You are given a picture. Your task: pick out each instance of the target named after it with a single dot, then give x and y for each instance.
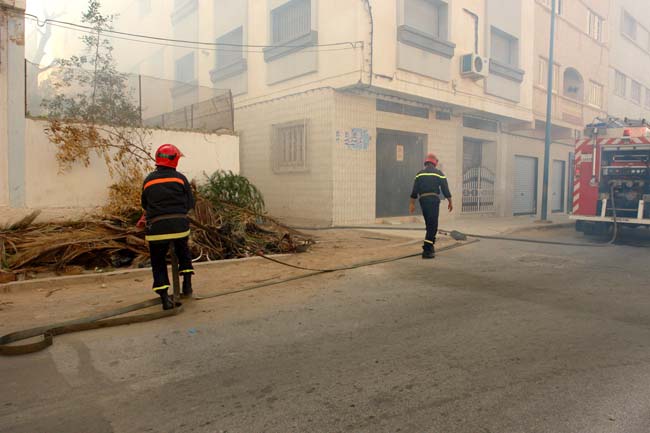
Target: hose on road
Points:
(110, 319)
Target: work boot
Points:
(187, 286)
(165, 300)
(429, 253)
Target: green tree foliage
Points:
(89, 86)
(226, 187)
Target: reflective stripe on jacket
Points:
(430, 180)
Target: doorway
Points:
(400, 156)
(524, 201)
(478, 176)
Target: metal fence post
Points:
(192, 116)
(232, 111)
(140, 96)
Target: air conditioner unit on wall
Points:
(473, 66)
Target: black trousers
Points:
(158, 251)
(431, 212)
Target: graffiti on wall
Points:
(355, 139)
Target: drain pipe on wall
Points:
(372, 41)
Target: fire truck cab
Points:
(612, 176)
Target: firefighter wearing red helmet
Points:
(429, 186)
(166, 199)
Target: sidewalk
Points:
(478, 225)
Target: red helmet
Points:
(168, 155)
(431, 159)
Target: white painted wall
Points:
(12, 101)
(4, 147)
(87, 187)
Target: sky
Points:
(62, 42)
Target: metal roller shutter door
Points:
(525, 188)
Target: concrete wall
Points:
(298, 197)
(629, 57)
(12, 101)
(4, 145)
(355, 170)
(87, 187)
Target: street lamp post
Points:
(549, 113)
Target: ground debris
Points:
(113, 242)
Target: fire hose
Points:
(109, 318)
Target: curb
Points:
(540, 227)
(100, 277)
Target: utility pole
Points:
(549, 115)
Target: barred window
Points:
(290, 21)
(595, 26)
(290, 147)
(636, 92)
(542, 74)
(595, 96)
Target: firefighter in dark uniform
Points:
(430, 186)
(166, 199)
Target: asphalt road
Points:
(493, 337)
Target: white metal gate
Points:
(524, 201)
(478, 190)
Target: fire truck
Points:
(612, 176)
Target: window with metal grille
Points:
(427, 16)
(482, 124)
(229, 48)
(185, 70)
(595, 25)
(290, 21)
(407, 110)
(542, 74)
(290, 147)
(635, 93)
(620, 84)
(595, 96)
(504, 48)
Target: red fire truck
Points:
(612, 176)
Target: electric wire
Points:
(163, 41)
